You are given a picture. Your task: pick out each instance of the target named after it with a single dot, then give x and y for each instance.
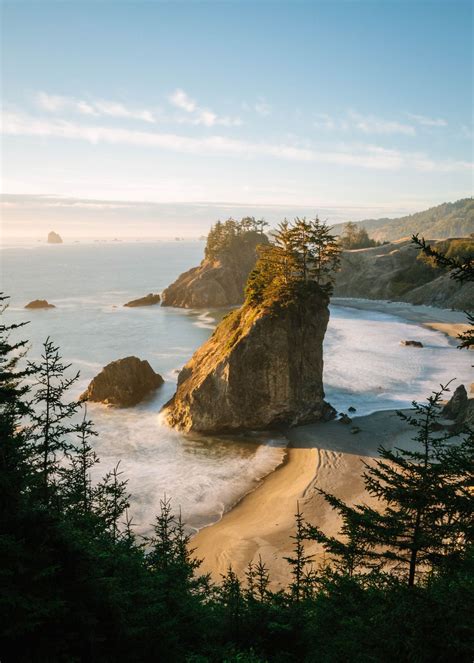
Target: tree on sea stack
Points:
(262, 368)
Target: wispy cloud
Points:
(370, 124)
(196, 114)
(55, 103)
(262, 107)
(428, 121)
(365, 156)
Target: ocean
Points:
(365, 365)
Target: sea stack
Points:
(230, 256)
(123, 383)
(54, 238)
(262, 368)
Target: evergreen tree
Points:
(52, 415)
(424, 523)
(301, 585)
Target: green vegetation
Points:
(355, 237)
(440, 222)
(77, 584)
(302, 256)
(230, 235)
(456, 256)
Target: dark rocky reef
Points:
(123, 383)
(39, 303)
(220, 278)
(262, 368)
(54, 238)
(395, 272)
(149, 300)
(413, 344)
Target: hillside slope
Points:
(446, 220)
(395, 272)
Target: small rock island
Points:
(149, 300)
(263, 366)
(54, 238)
(230, 256)
(123, 383)
(39, 303)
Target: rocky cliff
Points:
(262, 368)
(395, 272)
(220, 279)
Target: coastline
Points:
(447, 321)
(322, 455)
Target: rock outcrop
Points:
(262, 368)
(413, 344)
(39, 303)
(460, 409)
(395, 272)
(149, 300)
(54, 238)
(218, 281)
(123, 383)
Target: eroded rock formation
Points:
(262, 368)
(123, 383)
(149, 300)
(219, 280)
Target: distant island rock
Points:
(413, 344)
(39, 303)
(149, 300)
(263, 366)
(54, 238)
(219, 280)
(123, 383)
(398, 272)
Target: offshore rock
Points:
(39, 303)
(123, 383)
(149, 300)
(262, 368)
(216, 282)
(54, 238)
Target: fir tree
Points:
(52, 415)
(425, 497)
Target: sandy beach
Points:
(322, 455)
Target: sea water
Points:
(365, 365)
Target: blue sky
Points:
(356, 109)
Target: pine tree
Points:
(52, 415)
(424, 523)
(112, 500)
(302, 579)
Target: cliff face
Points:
(261, 368)
(394, 272)
(216, 282)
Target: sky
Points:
(157, 118)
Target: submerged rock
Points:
(123, 383)
(262, 368)
(54, 238)
(219, 280)
(413, 344)
(39, 303)
(149, 300)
